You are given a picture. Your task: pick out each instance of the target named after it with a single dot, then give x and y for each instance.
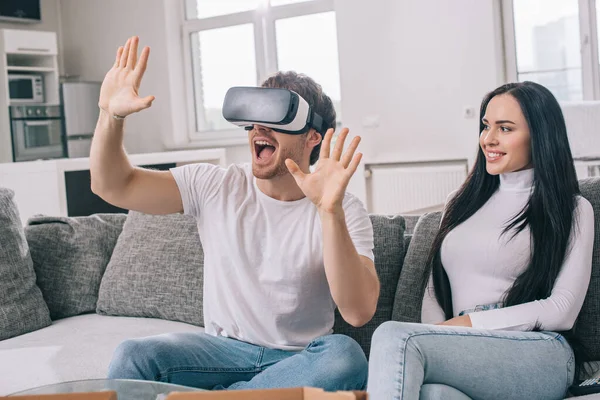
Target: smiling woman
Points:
(505, 139)
(511, 264)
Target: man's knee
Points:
(130, 359)
(129, 349)
(345, 360)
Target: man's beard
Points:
(279, 168)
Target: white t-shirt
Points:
(264, 277)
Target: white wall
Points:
(409, 69)
(415, 65)
(92, 32)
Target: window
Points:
(550, 42)
(597, 22)
(282, 2)
(241, 42)
(298, 52)
(195, 9)
(216, 70)
(547, 41)
(595, 53)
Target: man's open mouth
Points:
(263, 150)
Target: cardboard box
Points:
(265, 394)
(110, 395)
(269, 394)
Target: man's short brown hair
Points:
(312, 92)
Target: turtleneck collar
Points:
(517, 181)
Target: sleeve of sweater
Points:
(559, 311)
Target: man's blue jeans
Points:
(332, 362)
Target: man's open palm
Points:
(326, 186)
(119, 92)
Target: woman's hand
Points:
(463, 320)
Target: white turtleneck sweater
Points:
(482, 264)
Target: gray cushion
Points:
(588, 324)
(411, 222)
(407, 239)
(155, 270)
(415, 272)
(22, 307)
(389, 253)
(70, 256)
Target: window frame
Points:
(588, 32)
(263, 20)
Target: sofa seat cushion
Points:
(73, 348)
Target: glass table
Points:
(126, 389)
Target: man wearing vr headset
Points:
(283, 247)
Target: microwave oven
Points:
(23, 89)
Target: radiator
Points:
(587, 168)
(412, 188)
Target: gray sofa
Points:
(101, 279)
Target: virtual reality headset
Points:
(280, 109)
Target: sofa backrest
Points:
(415, 272)
(401, 262)
(588, 323)
(51, 237)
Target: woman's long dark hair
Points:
(548, 213)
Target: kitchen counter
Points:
(78, 164)
(41, 186)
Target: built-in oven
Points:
(37, 132)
